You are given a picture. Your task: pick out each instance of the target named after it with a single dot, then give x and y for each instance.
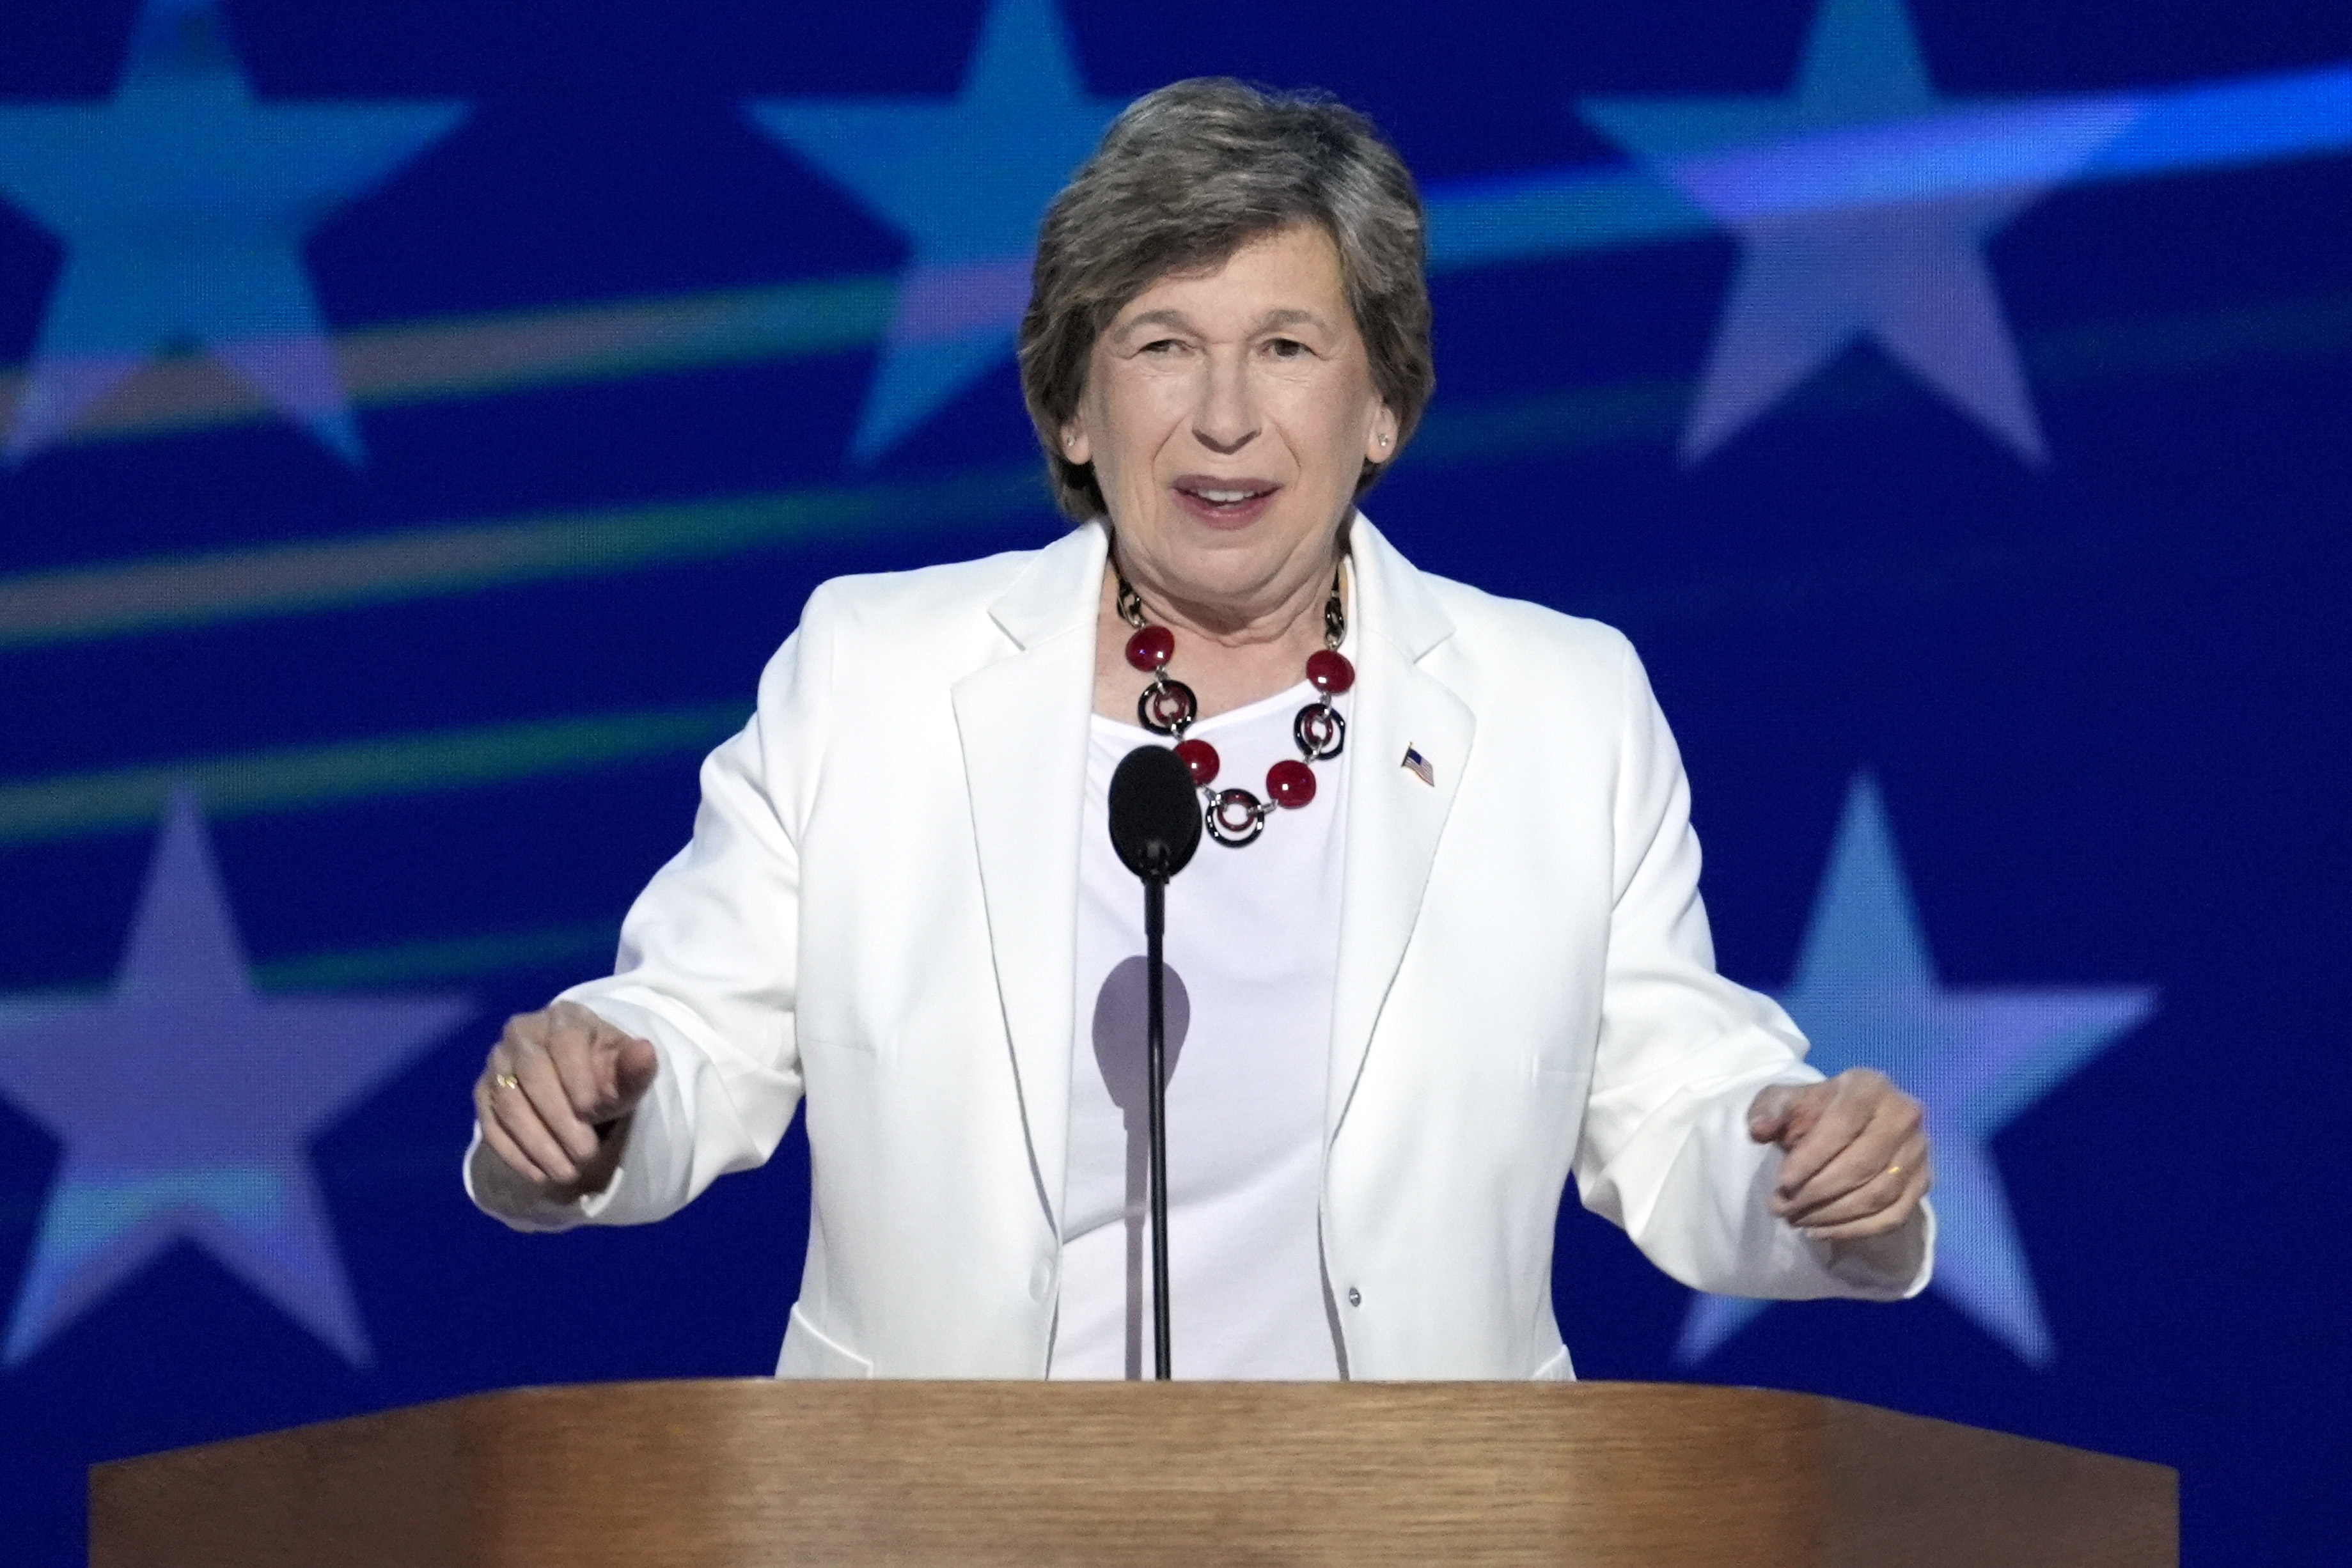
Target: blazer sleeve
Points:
(1664, 1151)
(708, 968)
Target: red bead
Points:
(1290, 782)
(1201, 757)
(1329, 670)
(1150, 647)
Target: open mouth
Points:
(1225, 497)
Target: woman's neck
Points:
(1230, 657)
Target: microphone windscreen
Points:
(1155, 812)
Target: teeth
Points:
(1225, 497)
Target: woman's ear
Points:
(1380, 443)
(1076, 447)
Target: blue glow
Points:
(2219, 125)
(1866, 994)
(183, 204)
(966, 182)
(185, 1101)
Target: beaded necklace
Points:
(1167, 707)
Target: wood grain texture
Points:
(761, 1473)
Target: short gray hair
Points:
(1185, 178)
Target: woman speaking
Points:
(1445, 950)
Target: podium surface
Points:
(759, 1472)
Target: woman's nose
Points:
(1226, 420)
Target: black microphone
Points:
(1155, 812)
(1155, 825)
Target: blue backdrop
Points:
(422, 419)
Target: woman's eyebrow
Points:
(1290, 316)
(1166, 317)
(1170, 317)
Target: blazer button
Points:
(1355, 1296)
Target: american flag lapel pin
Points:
(1418, 766)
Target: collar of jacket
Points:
(1024, 723)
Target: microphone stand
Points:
(1155, 825)
(1155, 1058)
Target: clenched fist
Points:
(554, 1096)
(1856, 1158)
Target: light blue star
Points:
(1865, 993)
(966, 182)
(183, 204)
(1865, 201)
(185, 1101)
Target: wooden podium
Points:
(757, 1472)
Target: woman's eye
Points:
(1286, 348)
(1161, 346)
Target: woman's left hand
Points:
(1856, 1160)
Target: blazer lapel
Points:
(1024, 722)
(1394, 817)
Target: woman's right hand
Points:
(554, 1098)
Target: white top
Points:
(1253, 944)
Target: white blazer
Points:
(877, 913)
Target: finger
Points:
(1801, 1110)
(1838, 1121)
(573, 1049)
(1769, 1113)
(605, 1071)
(1876, 1145)
(501, 1142)
(1855, 1099)
(534, 1069)
(513, 1115)
(1892, 1217)
(635, 1066)
(524, 1116)
(1881, 1186)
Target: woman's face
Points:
(1228, 415)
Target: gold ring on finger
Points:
(507, 1080)
(1893, 1169)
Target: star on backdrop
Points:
(183, 204)
(1864, 202)
(965, 180)
(1865, 993)
(185, 1101)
